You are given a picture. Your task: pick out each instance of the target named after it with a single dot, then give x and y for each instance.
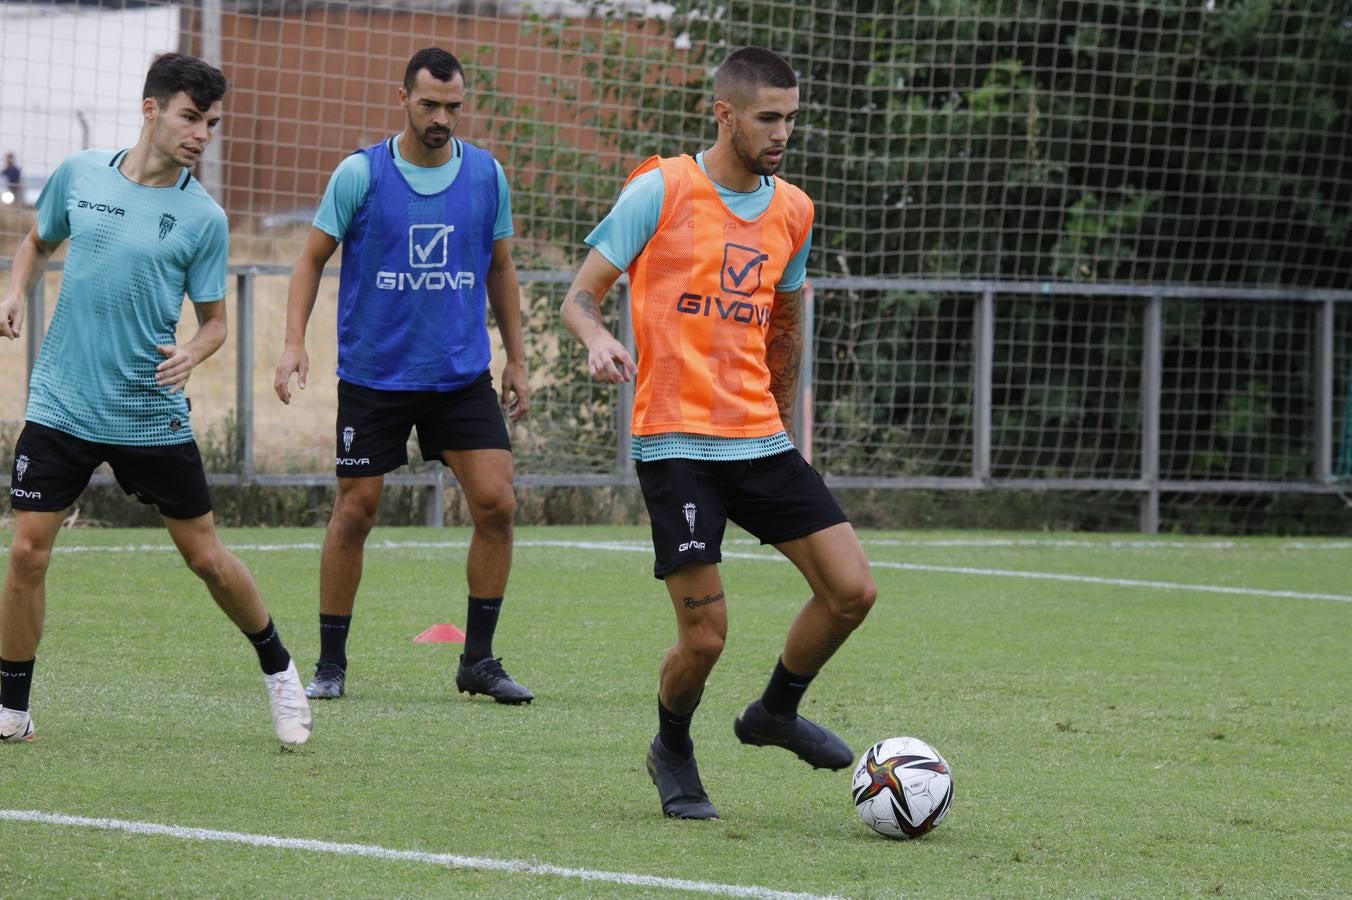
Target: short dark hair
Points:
(747, 70)
(439, 64)
(174, 72)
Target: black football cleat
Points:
(327, 683)
(678, 784)
(488, 677)
(813, 744)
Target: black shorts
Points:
(777, 498)
(371, 436)
(52, 468)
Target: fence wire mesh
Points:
(1197, 143)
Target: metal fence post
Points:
(434, 509)
(36, 319)
(1152, 361)
(244, 366)
(983, 371)
(210, 174)
(624, 403)
(1323, 389)
(807, 361)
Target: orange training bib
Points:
(701, 293)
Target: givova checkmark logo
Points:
(741, 269)
(427, 245)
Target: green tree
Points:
(1153, 142)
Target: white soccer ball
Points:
(902, 787)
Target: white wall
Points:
(57, 65)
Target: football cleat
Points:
(488, 677)
(678, 785)
(15, 725)
(813, 744)
(327, 683)
(290, 710)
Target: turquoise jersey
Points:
(349, 183)
(134, 252)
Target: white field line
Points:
(451, 860)
(639, 546)
(1086, 544)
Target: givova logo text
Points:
(738, 311)
(102, 207)
(431, 281)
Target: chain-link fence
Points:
(955, 152)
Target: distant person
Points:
(716, 248)
(108, 384)
(425, 221)
(13, 179)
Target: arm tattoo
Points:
(692, 603)
(784, 350)
(586, 301)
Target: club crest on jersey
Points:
(20, 467)
(348, 434)
(741, 272)
(167, 223)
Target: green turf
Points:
(1107, 740)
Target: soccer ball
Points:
(902, 787)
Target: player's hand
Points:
(515, 391)
(11, 317)
(174, 372)
(294, 361)
(608, 361)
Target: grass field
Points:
(1125, 717)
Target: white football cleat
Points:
(290, 710)
(15, 725)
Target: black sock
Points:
(480, 623)
(784, 691)
(272, 655)
(333, 639)
(674, 731)
(15, 680)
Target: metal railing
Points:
(1147, 482)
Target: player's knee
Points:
(704, 643)
(855, 600)
(496, 510)
(29, 560)
(211, 564)
(353, 518)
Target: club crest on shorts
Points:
(348, 434)
(692, 544)
(20, 466)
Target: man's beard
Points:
(750, 159)
(433, 139)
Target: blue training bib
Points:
(412, 298)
